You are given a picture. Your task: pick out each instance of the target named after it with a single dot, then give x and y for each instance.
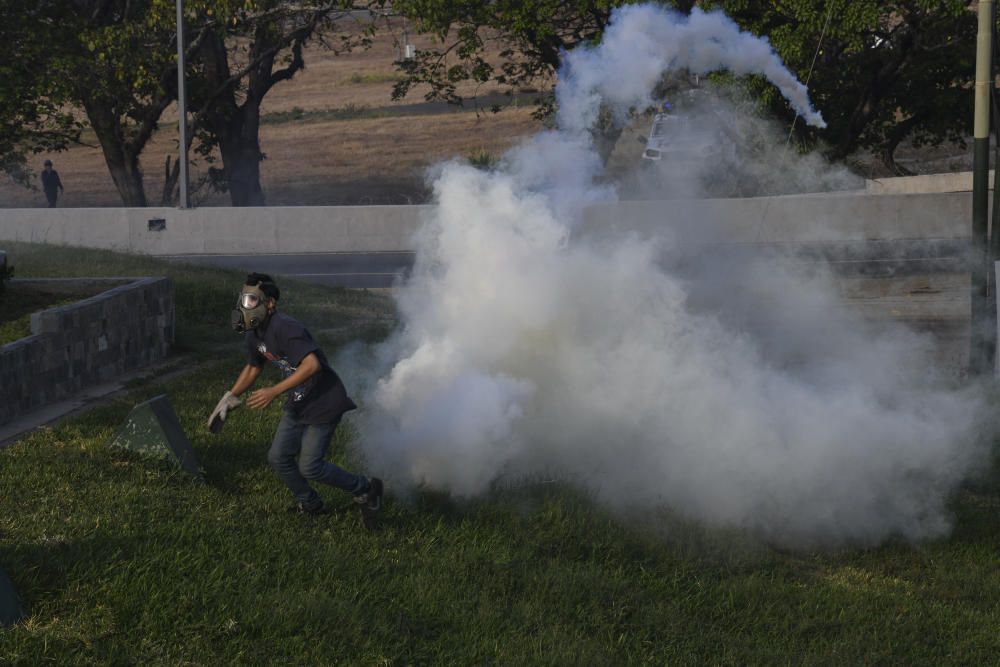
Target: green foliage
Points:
(375, 77)
(13, 330)
(297, 114)
(117, 62)
(112, 61)
(536, 32)
(884, 72)
(483, 159)
(33, 92)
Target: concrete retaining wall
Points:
(169, 231)
(790, 219)
(86, 343)
(959, 181)
(798, 219)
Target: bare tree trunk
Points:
(123, 163)
(606, 140)
(171, 176)
(899, 131)
(241, 157)
(235, 126)
(233, 121)
(889, 160)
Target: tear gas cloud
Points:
(644, 41)
(738, 395)
(736, 152)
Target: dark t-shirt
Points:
(285, 343)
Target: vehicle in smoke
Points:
(682, 140)
(698, 150)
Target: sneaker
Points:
(315, 510)
(371, 499)
(370, 502)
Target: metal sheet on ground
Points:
(153, 429)
(10, 605)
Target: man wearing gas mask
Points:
(315, 404)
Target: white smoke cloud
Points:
(644, 41)
(738, 394)
(737, 152)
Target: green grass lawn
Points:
(19, 301)
(205, 295)
(120, 560)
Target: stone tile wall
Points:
(86, 343)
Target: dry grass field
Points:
(331, 135)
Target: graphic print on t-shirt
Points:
(298, 393)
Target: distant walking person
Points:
(51, 183)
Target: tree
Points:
(125, 72)
(33, 118)
(885, 72)
(109, 59)
(239, 61)
(238, 49)
(116, 61)
(533, 35)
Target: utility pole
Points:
(182, 128)
(982, 332)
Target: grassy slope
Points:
(121, 561)
(204, 295)
(19, 301)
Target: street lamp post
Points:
(982, 338)
(182, 128)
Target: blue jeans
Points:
(309, 443)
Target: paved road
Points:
(338, 269)
(386, 269)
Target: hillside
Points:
(331, 135)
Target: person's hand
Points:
(261, 398)
(227, 403)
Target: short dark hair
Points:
(265, 283)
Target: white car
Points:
(682, 139)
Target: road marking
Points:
(316, 275)
(334, 253)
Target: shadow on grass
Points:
(44, 569)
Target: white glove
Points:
(226, 403)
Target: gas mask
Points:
(251, 309)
